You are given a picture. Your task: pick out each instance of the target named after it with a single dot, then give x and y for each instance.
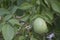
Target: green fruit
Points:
(39, 26)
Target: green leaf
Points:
(25, 18)
(33, 17)
(55, 5)
(33, 1)
(7, 17)
(13, 9)
(38, 2)
(18, 37)
(1, 27)
(13, 0)
(15, 29)
(47, 16)
(21, 38)
(47, 3)
(14, 21)
(8, 32)
(25, 6)
(32, 38)
(3, 11)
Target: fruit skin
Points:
(40, 26)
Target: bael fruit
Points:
(40, 26)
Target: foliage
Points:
(17, 16)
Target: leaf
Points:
(55, 6)
(13, 0)
(47, 3)
(15, 29)
(47, 16)
(19, 2)
(21, 38)
(18, 37)
(3, 11)
(7, 17)
(33, 17)
(33, 1)
(14, 21)
(25, 17)
(8, 32)
(38, 2)
(25, 6)
(32, 38)
(1, 27)
(19, 12)
(13, 9)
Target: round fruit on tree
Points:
(40, 26)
